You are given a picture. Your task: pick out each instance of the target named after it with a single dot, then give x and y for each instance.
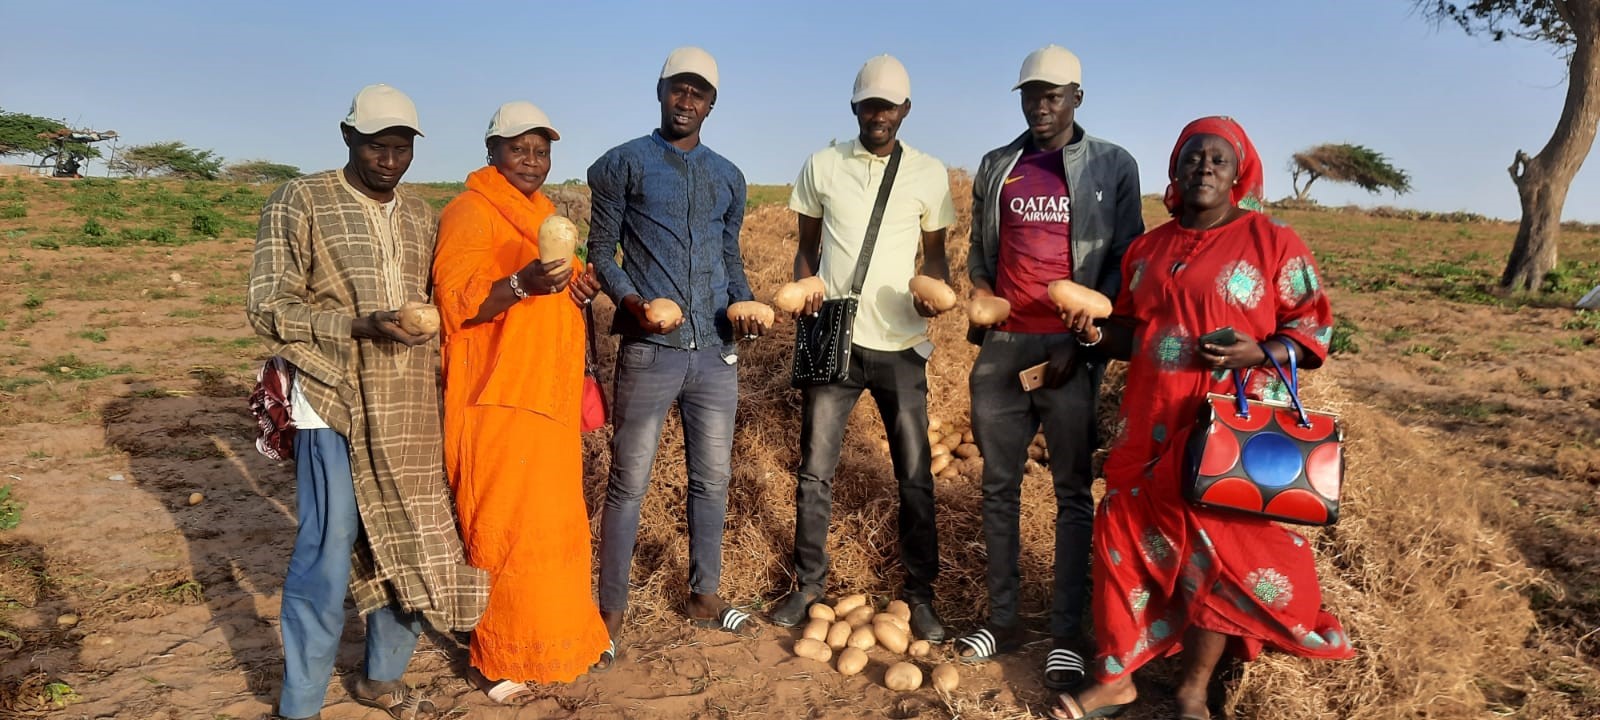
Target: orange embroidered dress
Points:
(513, 447)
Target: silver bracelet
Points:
(516, 287)
(1097, 339)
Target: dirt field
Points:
(1467, 566)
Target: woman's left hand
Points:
(1243, 354)
(583, 288)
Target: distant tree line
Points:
(21, 134)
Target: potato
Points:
(818, 611)
(966, 450)
(938, 450)
(934, 292)
(848, 603)
(859, 616)
(419, 318)
(884, 618)
(762, 314)
(1035, 452)
(903, 677)
(816, 630)
(839, 634)
(968, 437)
(662, 311)
(890, 637)
(935, 423)
(940, 462)
(862, 637)
(919, 649)
(934, 437)
(950, 439)
(945, 678)
(988, 311)
(196, 498)
(950, 472)
(1072, 297)
(851, 661)
(791, 298)
(899, 609)
(558, 239)
(813, 650)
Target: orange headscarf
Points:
(1247, 191)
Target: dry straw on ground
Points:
(1431, 594)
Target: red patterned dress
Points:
(1161, 564)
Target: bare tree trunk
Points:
(1300, 192)
(1543, 180)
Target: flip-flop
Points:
(1070, 704)
(730, 620)
(608, 657)
(401, 703)
(507, 692)
(984, 646)
(1063, 669)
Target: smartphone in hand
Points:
(1221, 336)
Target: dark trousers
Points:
(898, 382)
(1004, 420)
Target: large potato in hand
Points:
(558, 239)
(419, 318)
(662, 311)
(1072, 297)
(792, 296)
(934, 292)
(988, 311)
(764, 317)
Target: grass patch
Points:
(759, 195)
(44, 244)
(70, 367)
(10, 509)
(1344, 337)
(187, 313)
(13, 211)
(94, 335)
(32, 300)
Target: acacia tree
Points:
(1354, 164)
(1542, 180)
(260, 171)
(173, 159)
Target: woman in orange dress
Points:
(513, 331)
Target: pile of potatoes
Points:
(852, 626)
(955, 452)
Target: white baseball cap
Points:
(379, 107)
(517, 117)
(884, 78)
(1051, 64)
(691, 60)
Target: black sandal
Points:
(1063, 669)
(985, 645)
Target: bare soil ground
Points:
(1467, 566)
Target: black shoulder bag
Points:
(822, 341)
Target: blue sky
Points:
(272, 80)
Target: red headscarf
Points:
(1247, 189)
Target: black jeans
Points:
(1004, 420)
(898, 382)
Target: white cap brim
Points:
(373, 126)
(893, 97)
(517, 130)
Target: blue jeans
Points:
(898, 382)
(319, 580)
(1004, 420)
(649, 379)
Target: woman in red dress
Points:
(1170, 577)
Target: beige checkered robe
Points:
(322, 258)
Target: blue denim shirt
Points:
(675, 216)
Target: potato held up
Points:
(764, 316)
(791, 298)
(419, 318)
(988, 311)
(934, 292)
(558, 239)
(1072, 297)
(662, 311)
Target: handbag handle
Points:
(878, 206)
(1291, 380)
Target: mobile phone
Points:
(1032, 378)
(1220, 336)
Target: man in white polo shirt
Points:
(834, 198)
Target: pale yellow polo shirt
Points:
(840, 184)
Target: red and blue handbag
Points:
(1270, 459)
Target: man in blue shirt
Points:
(673, 208)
